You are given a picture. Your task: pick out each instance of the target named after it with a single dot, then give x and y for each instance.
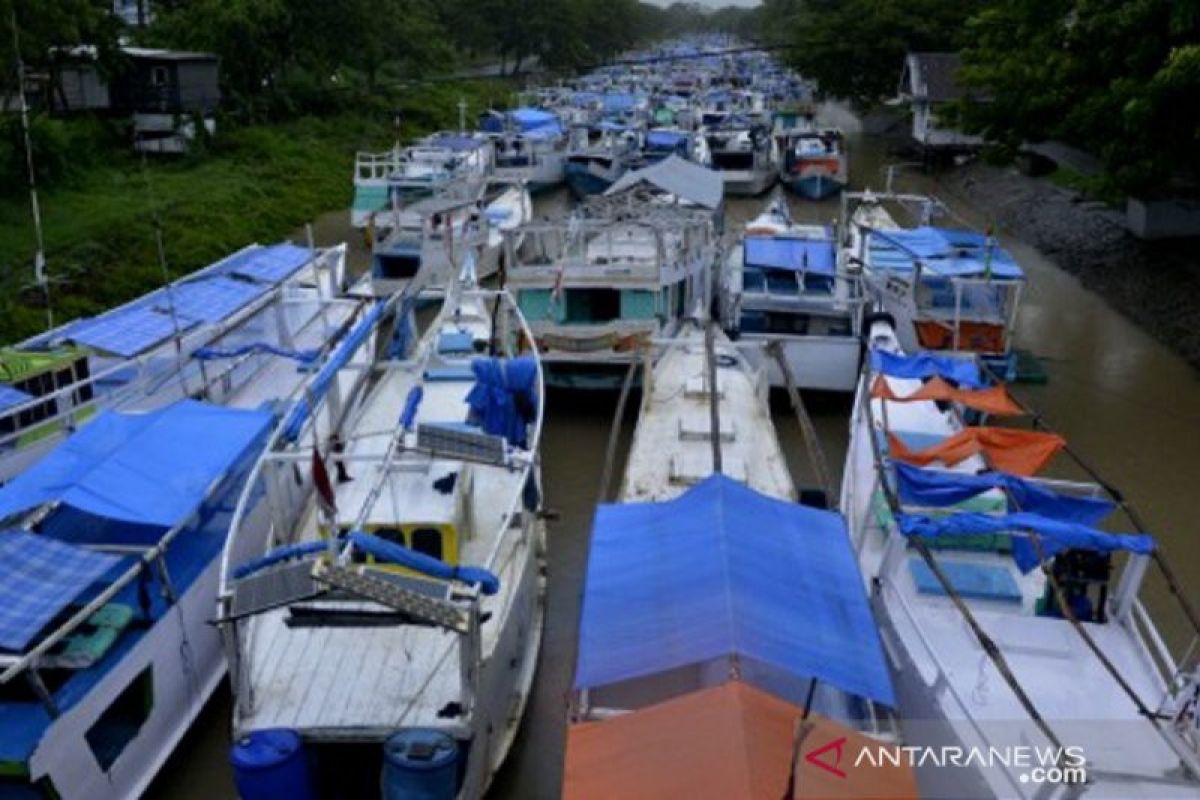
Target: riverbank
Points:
(255, 183)
(1154, 284)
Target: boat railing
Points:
(113, 385)
(377, 167)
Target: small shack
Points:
(166, 92)
(929, 83)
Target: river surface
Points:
(1123, 401)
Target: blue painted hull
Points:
(584, 183)
(814, 187)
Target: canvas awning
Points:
(1006, 449)
(993, 400)
(814, 256)
(39, 577)
(942, 252)
(730, 741)
(723, 570)
(146, 469)
(963, 371)
(687, 181)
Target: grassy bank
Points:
(255, 183)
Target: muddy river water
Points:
(1124, 401)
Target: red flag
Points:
(320, 476)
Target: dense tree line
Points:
(1119, 78)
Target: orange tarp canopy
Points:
(731, 742)
(993, 400)
(1007, 450)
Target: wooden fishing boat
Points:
(355, 629)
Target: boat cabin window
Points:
(120, 723)
(725, 160)
(592, 305)
(427, 541)
(396, 267)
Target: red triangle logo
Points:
(829, 757)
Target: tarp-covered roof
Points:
(146, 469)
(684, 179)
(963, 371)
(730, 741)
(724, 570)
(941, 252)
(39, 577)
(816, 256)
(271, 264)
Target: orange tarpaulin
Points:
(993, 400)
(982, 337)
(1007, 450)
(731, 742)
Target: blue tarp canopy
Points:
(149, 469)
(1056, 535)
(127, 332)
(815, 256)
(529, 118)
(209, 299)
(964, 372)
(666, 140)
(936, 489)
(616, 102)
(942, 252)
(39, 577)
(459, 143)
(272, 264)
(724, 570)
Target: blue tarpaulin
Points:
(146, 469)
(943, 252)
(129, 331)
(964, 372)
(666, 140)
(937, 489)
(528, 119)
(209, 299)
(39, 577)
(724, 570)
(504, 398)
(616, 102)
(1055, 534)
(394, 553)
(272, 264)
(815, 256)
(459, 143)
(11, 396)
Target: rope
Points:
(614, 432)
(816, 454)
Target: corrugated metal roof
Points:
(674, 175)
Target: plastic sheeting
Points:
(39, 577)
(964, 372)
(504, 398)
(127, 332)
(272, 264)
(209, 299)
(1056, 534)
(677, 176)
(1008, 450)
(814, 256)
(666, 140)
(146, 469)
(993, 400)
(724, 570)
(731, 741)
(941, 489)
(942, 251)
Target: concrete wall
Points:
(1163, 219)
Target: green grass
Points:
(1093, 187)
(256, 184)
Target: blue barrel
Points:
(420, 764)
(270, 764)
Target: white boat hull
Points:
(822, 363)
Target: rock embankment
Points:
(1155, 284)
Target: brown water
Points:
(1122, 400)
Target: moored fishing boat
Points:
(530, 146)
(357, 634)
(598, 155)
(678, 692)
(949, 290)
(782, 283)
(999, 598)
(597, 287)
(167, 344)
(745, 154)
(111, 555)
(814, 162)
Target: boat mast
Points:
(39, 257)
